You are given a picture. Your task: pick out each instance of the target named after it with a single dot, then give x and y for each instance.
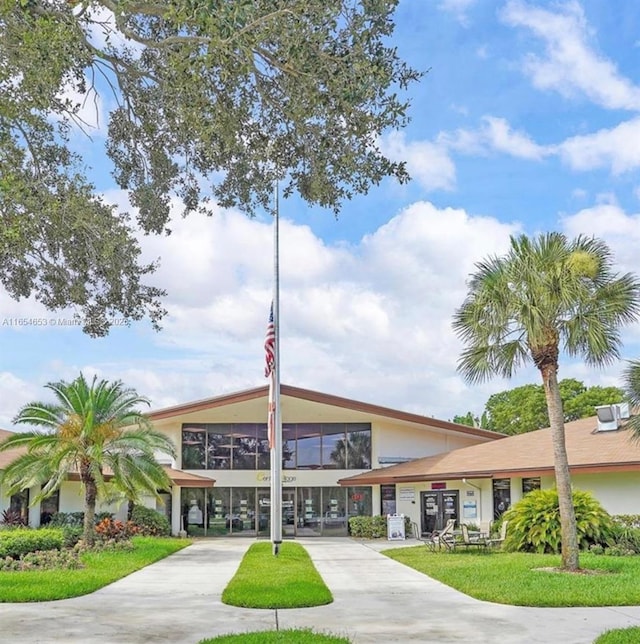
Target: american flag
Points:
(270, 372)
(270, 346)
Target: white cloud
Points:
(494, 134)
(14, 393)
(458, 8)
(428, 163)
(501, 137)
(570, 65)
(616, 148)
(371, 320)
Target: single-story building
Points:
(221, 476)
(476, 484)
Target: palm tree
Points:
(631, 379)
(545, 295)
(93, 431)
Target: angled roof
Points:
(324, 399)
(530, 454)
(9, 455)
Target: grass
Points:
(289, 636)
(629, 635)
(289, 580)
(512, 578)
(101, 568)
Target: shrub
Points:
(368, 527)
(625, 537)
(43, 560)
(75, 518)
(628, 520)
(534, 522)
(72, 535)
(19, 542)
(110, 530)
(149, 522)
(12, 519)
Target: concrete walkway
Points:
(177, 601)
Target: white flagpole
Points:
(276, 451)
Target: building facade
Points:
(325, 438)
(477, 484)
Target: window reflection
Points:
(193, 448)
(244, 446)
(308, 446)
(359, 449)
(219, 445)
(289, 447)
(334, 453)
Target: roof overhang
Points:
(178, 477)
(186, 479)
(376, 478)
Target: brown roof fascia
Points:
(209, 403)
(324, 399)
(375, 479)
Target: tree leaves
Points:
(211, 101)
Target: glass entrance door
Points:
(288, 512)
(264, 511)
(437, 508)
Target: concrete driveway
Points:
(177, 601)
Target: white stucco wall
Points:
(617, 491)
(393, 439)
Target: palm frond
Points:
(545, 294)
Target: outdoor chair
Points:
(438, 539)
(498, 541)
(472, 541)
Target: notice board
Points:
(395, 527)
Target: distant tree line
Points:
(524, 409)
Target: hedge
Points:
(19, 542)
(373, 527)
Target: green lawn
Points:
(289, 636)
(629, 635)
(289, 580)
(512, 578)
(101, 568)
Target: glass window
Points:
(193, 511)
(358, 448)
(288, 447)
(501, 496)
(308, 446)
(218, 512)
(359, 501)
(335, 511)
(219, 446)
(262, 447)
(245, 446)
(19, 506)
(388, 499)
(49, 506)
(309, 512)
(242, 519)
(193, 447)
(530, 484)
(334, 449)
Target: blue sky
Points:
(528, 120)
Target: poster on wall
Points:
(407, 494)
(470, 510)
